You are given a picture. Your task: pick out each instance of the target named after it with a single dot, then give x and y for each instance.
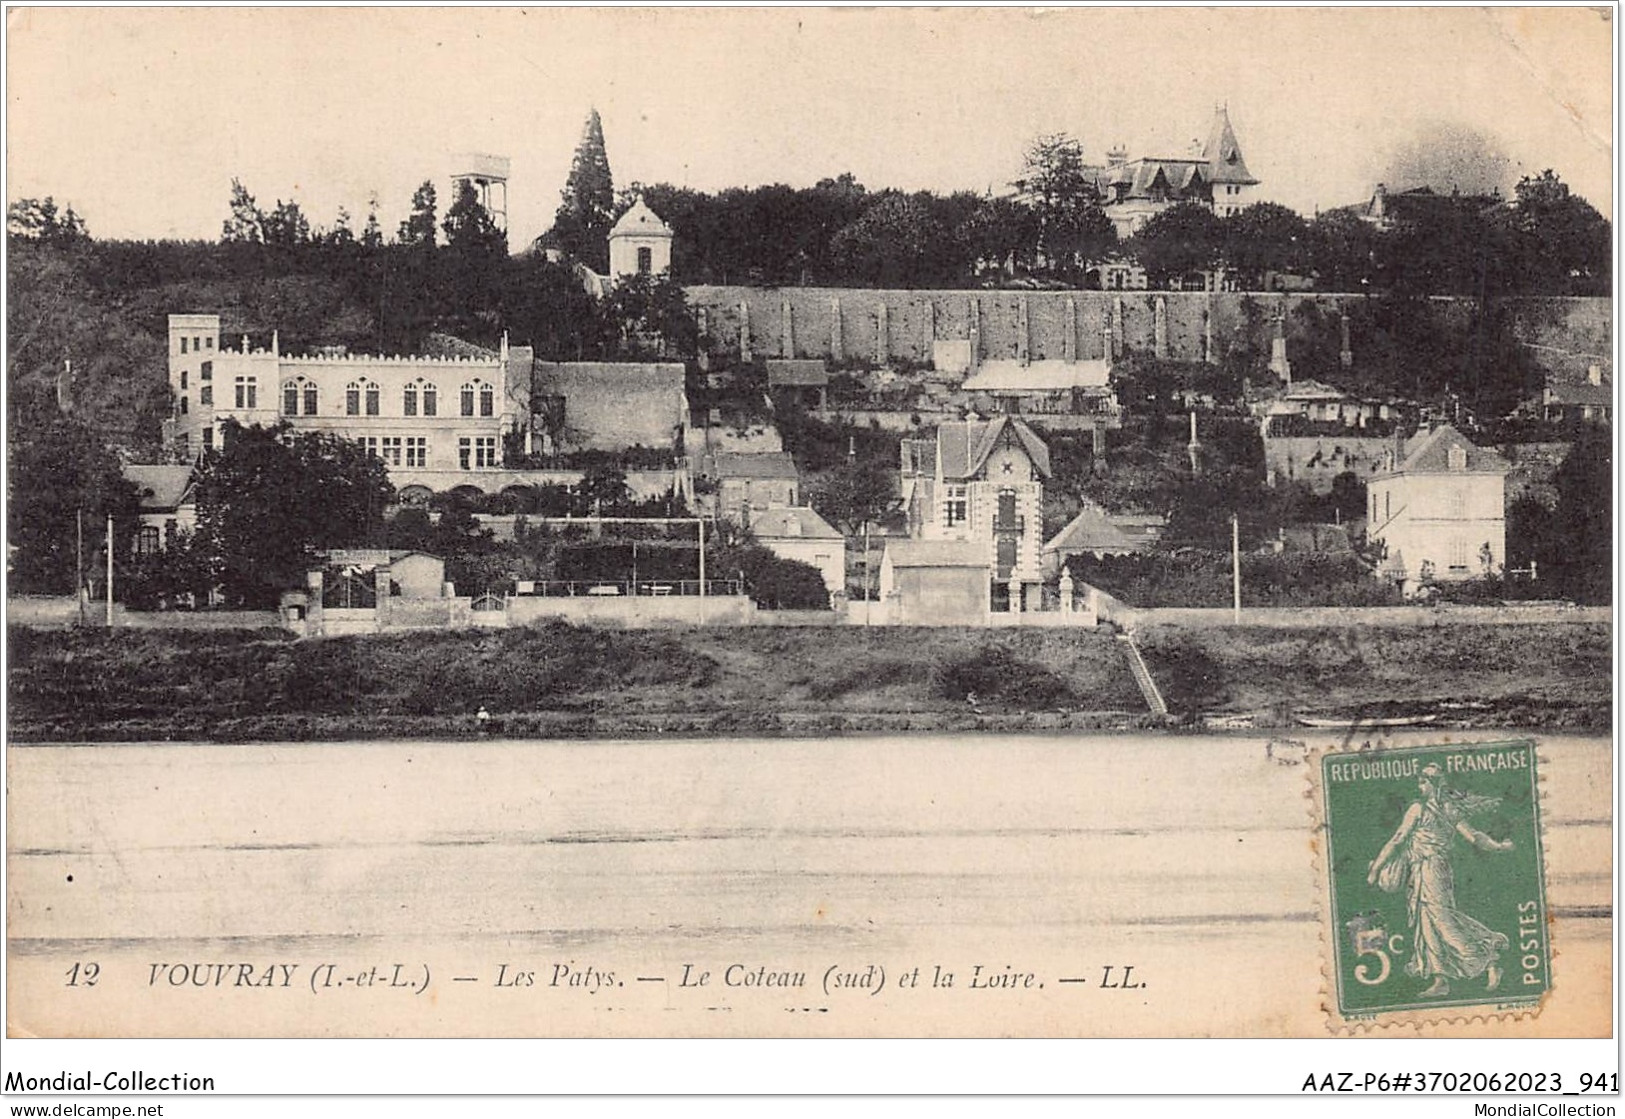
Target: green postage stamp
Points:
(1436, 879)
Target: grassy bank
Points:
(557, 681)
(1553, 676)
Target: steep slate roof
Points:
(160, 487)
(640, 221)
(796, 521)
(776, 464)
(963, 447)
(1008, 375)
(1091, 531)
(936, 553)
(1220, 162)
(1429, 453)
(1223, 154)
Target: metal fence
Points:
(643, 588)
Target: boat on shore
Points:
(1344, 722)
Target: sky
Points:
(140, 118)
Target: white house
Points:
(1440, 511)
(796, 532)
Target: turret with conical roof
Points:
(1226, 169)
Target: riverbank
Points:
(561, 682)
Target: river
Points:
(509, 887)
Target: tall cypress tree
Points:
(581, 226)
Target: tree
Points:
(1563, 246)
(1178, 241)
(604, 488)
(855, 494)
(587, 212)
(61, 471)
(341, 234)
(545, 307)
(1264, 237)
(474, 265)
(1584, 518)
(652, 317)
(891, 244)
(419, 228)
(1056, 186)
(1002, 235)
(371, 235)
(271, 500)
(772, 581)
(1341, 252)
(286, 226)
(37, 219)
(244, 225)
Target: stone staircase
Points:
(1142, 676)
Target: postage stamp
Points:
(1436, 880)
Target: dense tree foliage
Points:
(1060, 192)
(62, 478)
(1263, 238)
(39, 220)
(1178, 241)
(272, 499)
(861, 492)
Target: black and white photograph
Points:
(559, 524)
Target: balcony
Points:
(1013, 525)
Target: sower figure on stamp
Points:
(1447, 944)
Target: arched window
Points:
(487, 399)
(358, 391)
(430, 400)
(293, 390)
(409, 400)
(468, 399)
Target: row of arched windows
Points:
(301, 397)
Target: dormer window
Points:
(1456, 458)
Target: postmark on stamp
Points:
(1436, 880)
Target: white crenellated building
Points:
(415, 413)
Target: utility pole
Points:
(79, 562)
(867, 602)
(1235, 563)
(702, 569)
(109, 571)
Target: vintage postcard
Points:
(1076, 522)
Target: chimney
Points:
(1117, 156)
(1594, 375)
